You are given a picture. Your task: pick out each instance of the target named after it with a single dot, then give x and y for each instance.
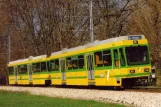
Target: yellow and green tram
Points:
(116, 62)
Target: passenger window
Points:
(54, 65)
(98, 59)
(122, 57)
(11, 70)
(74, 62)
(43, 67)
(116, 58)
(22, 69)
(57, 64)
(80, 61)
(36, 67)
(69, 63)
(107, 61)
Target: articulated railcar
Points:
(117, 62)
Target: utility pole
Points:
(9, 48)
(91, 21)
(9, 54)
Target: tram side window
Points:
(22, 69)
(98, 59)
(116, 58)
(122, 58)
(43, 66)
(80, 61)
(74, 62)
(69, 63)
(11, 70)
(57, 64)
(54, 65)
(107, 61)
(36, 67)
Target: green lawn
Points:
(19, 99)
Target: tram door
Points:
(116, 59)
(90, 68)
(116, 63)
(16, 74)
(62, 63)
(30, 72)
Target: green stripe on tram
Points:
(133, 75)
(99, 77)
(24, 79)
(76, 77)
(55, 78)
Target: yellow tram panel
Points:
(80, 81)
(38, 82)
(55, 78)
(26, 77)
(40, 76)
(23, 82)
(11, 82)
(76, 74)
(77, 78)
(56, 81)
(103, 77)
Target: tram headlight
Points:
(146, 70)
(132, 71)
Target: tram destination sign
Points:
(134, 37)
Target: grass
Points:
(20, 99)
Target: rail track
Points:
(151, 89)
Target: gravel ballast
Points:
(139, 99)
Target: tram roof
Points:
(97, 42)
(31, 58)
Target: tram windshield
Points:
(137, 55)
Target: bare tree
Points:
(42, 26)
(111, 17)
